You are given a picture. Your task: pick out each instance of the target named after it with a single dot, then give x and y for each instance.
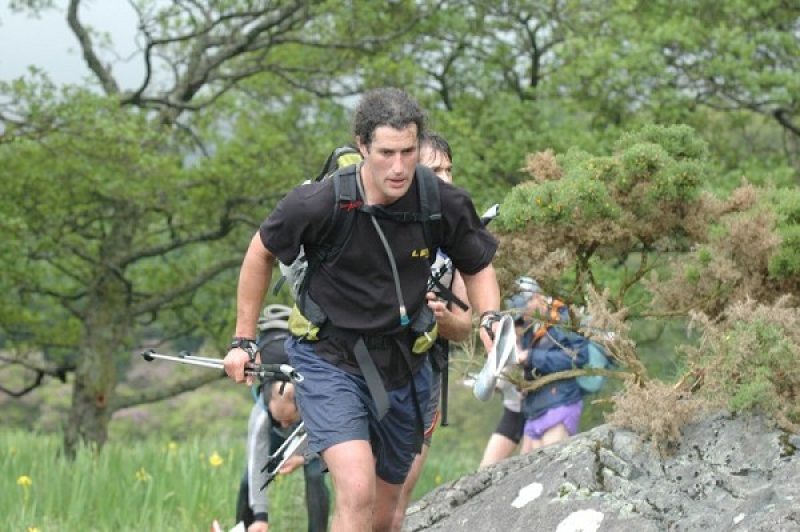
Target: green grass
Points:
(145, 485)
(154, 483)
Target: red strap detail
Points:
(351, 205)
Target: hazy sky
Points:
(48, 43)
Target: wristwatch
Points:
(489, 318)
(248, 345)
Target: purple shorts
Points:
(569, 415)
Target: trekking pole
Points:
(280, 372)
(490, 214)
(445, 376)
(283, 453)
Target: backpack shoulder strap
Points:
(345, 205)
(430, 204)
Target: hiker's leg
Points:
(243, 511)
(430, 415)
(352, 470)
(408, 488)
(334, 408)
(386, 502)
(498, 448)
(530, 444)
(555, 434)
(317, 496)
(505, 438)
(400, 435)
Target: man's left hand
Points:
(292, 463)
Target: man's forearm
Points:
(254, 279)
(482, 290)
(458, 325)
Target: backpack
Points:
(597, 360)
(597, 356)
(273, 329)
(341, 167)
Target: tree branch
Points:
(544, 380)
(156, 302)
(164, 392)
(107, 81)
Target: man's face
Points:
(389, 163)
(437, 161)
(282, 406)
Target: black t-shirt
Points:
(356, 288)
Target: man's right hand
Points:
(258, 526)
(234, 363)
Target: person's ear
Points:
(362, 148)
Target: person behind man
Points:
(365, 302)
(552, 413)
(273, 418)
(455, 323)
(508, 433)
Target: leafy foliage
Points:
(749, 360)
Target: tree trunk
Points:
(107, 326)
(95, 379)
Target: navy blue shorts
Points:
(336, 407)
(430, 412)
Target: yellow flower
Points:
(24, 481)
(438, 479)
(142, 475)
(32, 529)
(215, 459)
(172, 446)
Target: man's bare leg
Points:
(408, 487)
(352, 470)
(386, 497)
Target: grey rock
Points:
(727, 473)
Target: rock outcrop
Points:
(727, 473)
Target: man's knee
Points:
(352, 470)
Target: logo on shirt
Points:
(422, 252)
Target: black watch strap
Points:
(489, 318)
(247, 344)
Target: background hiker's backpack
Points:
(273, 329)
(598, 359)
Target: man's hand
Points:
(490, 321)
(234, 363)
(292, 463)
(439, 308)
(258, 526)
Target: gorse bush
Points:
(749, 360)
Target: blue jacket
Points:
(557, 350)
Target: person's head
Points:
(435, 153)
(388, 125)
(282, 406)
(527, 301)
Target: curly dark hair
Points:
(386, 107)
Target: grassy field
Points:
(155, 483)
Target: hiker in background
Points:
(455, 322)
(363, 313)
(272, 420)
(552, 413)
(507, 435)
